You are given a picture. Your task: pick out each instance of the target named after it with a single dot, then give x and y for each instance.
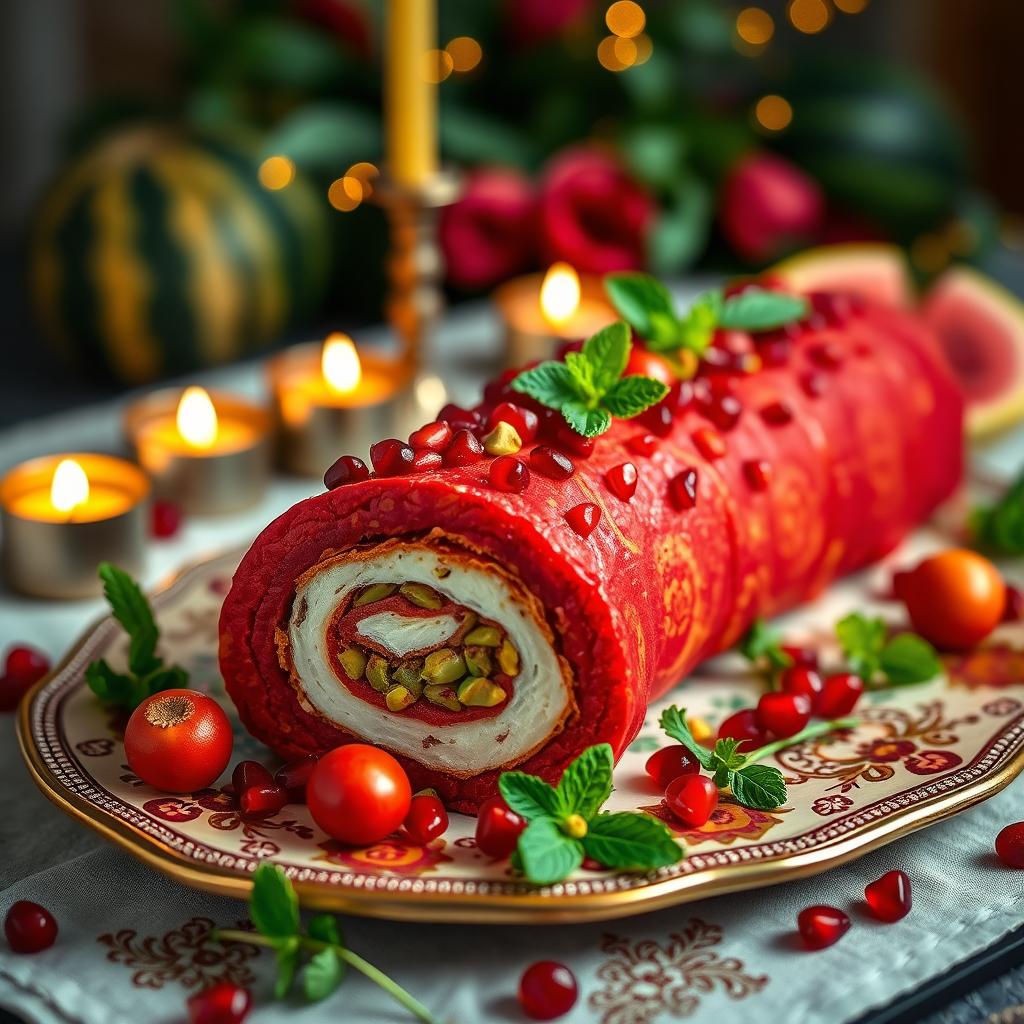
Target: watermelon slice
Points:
(875, 271)
(981, 327)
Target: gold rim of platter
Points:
(553, 905)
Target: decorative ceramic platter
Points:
(921, 754)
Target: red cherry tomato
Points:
(178, 741)
(692, 798)
(497, 828)
(358, 794)
(650, 364)
(954, 599)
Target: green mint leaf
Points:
(286, 953)
(630, 396)
(673, 724)
(723, 775)
(638, 298)
(586, 421)
(759, 786)
(608, 352)
(761, 644)
(862, 640)
(698, 326)
(907, 659)
(756, 309)
(587, 783)
(628, 840)
(324, 928)
(582, 372)
(130, 607)
(999, 528)
(111, 687)
(665, 331)
(322, 975)
(550, 383)
(727, 753)
(531, 797)
(547, 854)
(273, 905)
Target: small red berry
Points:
(839, 695)
(551, 463)
(262, 801)
(783, 714)
(680, 396)
(658, 419)
(1010, 845)
(802, 657)
(26, 665)
(427, 819)
(758, 474)
(724, 410)
(424, 460)
(29, 927)
(643, 444)
(509, 474)
(294, 775)
(433, 437)
(692, 798)
(622, 480)
(524, 420)
(164, 519)
(821, 926)
(347, 470)
(547, 990)
(889, 896)
(250, 773)
(458, 418)
(777, 414)
(669, 763)
(682, 489)
(391, 457)
(744, 727)
(802, 680)
(497, 828)
(583, 518)
(834, 308)
(710, 443)
(222, 1003)
(464, 449)
(568, 440)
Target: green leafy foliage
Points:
(902, 660)
(999, 528)
(630, 841)
(761, 645)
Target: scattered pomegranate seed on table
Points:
(692, 798)
(669, 763)
(509, 474)
(221, 1003)
(583, 518)
(622, 480)
(547, 990)
(294, 775)
(822, 926)
(1010, 845)
(263, 800)
(889, 896)
(347, 470)
(391, 457)
(464, 449)
(802, 680)
(552, 463)
(29, 927)
(250, 773)
(840, 694)
(783, 714)
(165, 519)
(497, 828)
(427, 819)
(744, 727)
(24, 667)
(802, 657)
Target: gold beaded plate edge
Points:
(921, 754)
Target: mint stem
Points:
(812, 731)
(377, 976)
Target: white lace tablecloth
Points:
(131, 943)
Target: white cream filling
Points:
(401, 634)
(539, 699)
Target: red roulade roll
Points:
(469, 630)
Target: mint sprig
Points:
(902, 660)
(762, 645)
(566, 823)
(587, 387)
(274, 909)
(647, 306)
(999, 528)
(147, 674)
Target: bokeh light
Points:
(345, 193)
(364, 173)
(625, 18)
(439, 65)
(773, 113)
(625, 51)
(276, 172)
(809, 16)
(465, 53)
(850, 6)
(754, 26)
(644, 48)
(606, 55)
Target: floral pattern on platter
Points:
(645, 979)
(729, 821)
(392, 855)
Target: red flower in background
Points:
(346, 20)
(534, 21)
(593, 214)
(768, 205)
(488, 235)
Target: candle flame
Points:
(560, 293)
(70, 486)
(197, 418)
(339, 363)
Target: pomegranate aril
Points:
(509, 474)
(583, 518)
(658, 419)
(164, 519)
(1010, 845)
(821, 926)
(744, 727)
(783, 714)
(826, 354)
(775, 352)
(802, 657)
(710, 443)
(1013, 610)
(250, 773)
(547, 990)
(427, 460)
(692, 798)
(669, 763)
(834, 308)
(260, 801)
(221, 1003)
(434, 437)
(497, 828)
(458, 418)
(524, 421)
(29, 927)
(840, 694)
(347, 470)
(622, 480)
(682, 489)
(464, 449)
(803, 680)
(294, 775)
(391, 457)
(26, 665)
(777, 414)
(813, 384)
(680, 396)
(569, 440)
(427, 819)
(758, 474)
(550, 462)
(724, 410)
(643, 444)
(889, 896)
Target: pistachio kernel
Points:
(701, 730)
(575, 825)
(504, 439)
(409, 672)
(478, 661)
(421, 595)
(469, 620)
(398, 698)
(508, 658)
(443, 696)
(477, 692)
(353, 661)
(443, 666)
(377, 673)
(483, 636)
(429, 791)
(374, 592)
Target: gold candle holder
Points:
(209, 453)
(64, 514)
